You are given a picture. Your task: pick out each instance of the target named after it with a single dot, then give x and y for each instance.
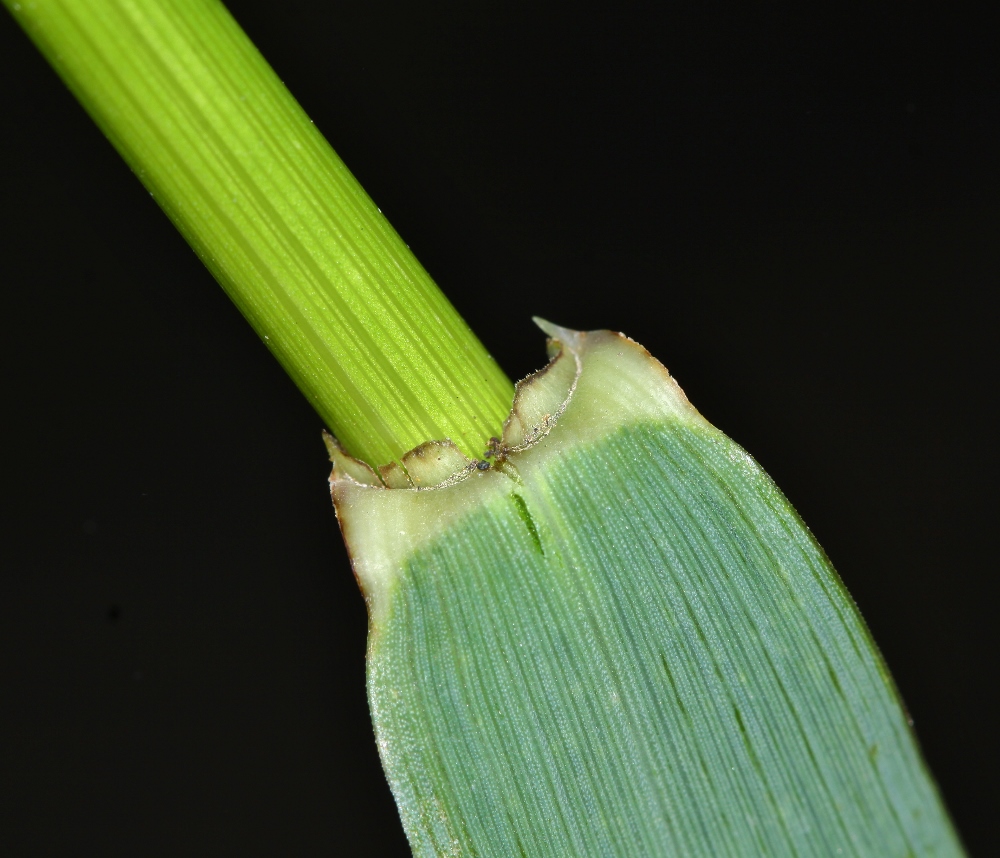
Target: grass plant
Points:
(596, 625)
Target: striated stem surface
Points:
(301, 249)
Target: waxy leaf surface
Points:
(620, 639)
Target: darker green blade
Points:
(621, 641)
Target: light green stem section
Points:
(301, 249)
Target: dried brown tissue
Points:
(539, 400)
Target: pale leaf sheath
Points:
(621, 640)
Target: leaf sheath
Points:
(627, 643)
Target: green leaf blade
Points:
(656, 660)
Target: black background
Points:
(795, 209)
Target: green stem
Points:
(301, 249)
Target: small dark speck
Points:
(114, 614)
(483, 466)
